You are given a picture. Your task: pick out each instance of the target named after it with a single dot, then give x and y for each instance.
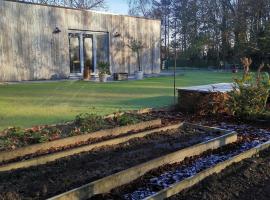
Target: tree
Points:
(136, 46)
(158, 9)
(140, 7)
(82, 4)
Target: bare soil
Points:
(65, 174)
(88, 142)
(165, 176)
(16, 137)
(215, 120)
(258, 176)
(248, 180)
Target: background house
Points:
(44, 42)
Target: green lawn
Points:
(31, 104)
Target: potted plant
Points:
(86, 73)
(136, 46)
(103, 71)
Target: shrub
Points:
(5, 143)
(15, 132)
(103, 68)
(17, 137)
(127, 119)
(90, 122)
(250, 93)
(14, 136)
(36, 137)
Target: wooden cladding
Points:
(31, 50)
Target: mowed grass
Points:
(29, 104)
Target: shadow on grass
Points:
(158, 101)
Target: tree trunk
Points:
(139, 61)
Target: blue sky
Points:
(117, 6)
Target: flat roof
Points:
(80, 9)
(218, 87)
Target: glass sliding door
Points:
(88, 52)
(102, 48)
(74, 52)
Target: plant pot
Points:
(86, 73)
(103, 78)
(139, 75)
(234, 71)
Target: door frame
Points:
(69, 36)
(81, 46)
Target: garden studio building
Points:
(44, 42)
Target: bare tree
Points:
(86, 4)
(140, 7)
(83, 4)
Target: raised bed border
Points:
(191, 181)
(18, 151)
(73, 140)
(40, 160)
(142, 111)
(105, 184)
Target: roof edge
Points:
(79, 9)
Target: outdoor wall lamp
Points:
(56, 30)
(116, 34)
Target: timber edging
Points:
(105, 184)
(40, 160)
(191, 181)
(31, 149)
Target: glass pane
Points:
(103, 48)
(88, 52)
(74, 49)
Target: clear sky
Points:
(117, 6)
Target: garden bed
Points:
(247, 180)
(14, 137)
(62, 175)
(75, 141)
(44, 157)
(124, 177)
(160, 182)
(219, 120)
(53, 178)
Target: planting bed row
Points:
(15, 137)
(45, 181)
(43, 153)
(22, 141)
(167, 175)
(247, 180)
(108, 183)
(160, 182)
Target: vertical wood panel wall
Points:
(30, 51)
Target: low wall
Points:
(205, 99)
(202, 102)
